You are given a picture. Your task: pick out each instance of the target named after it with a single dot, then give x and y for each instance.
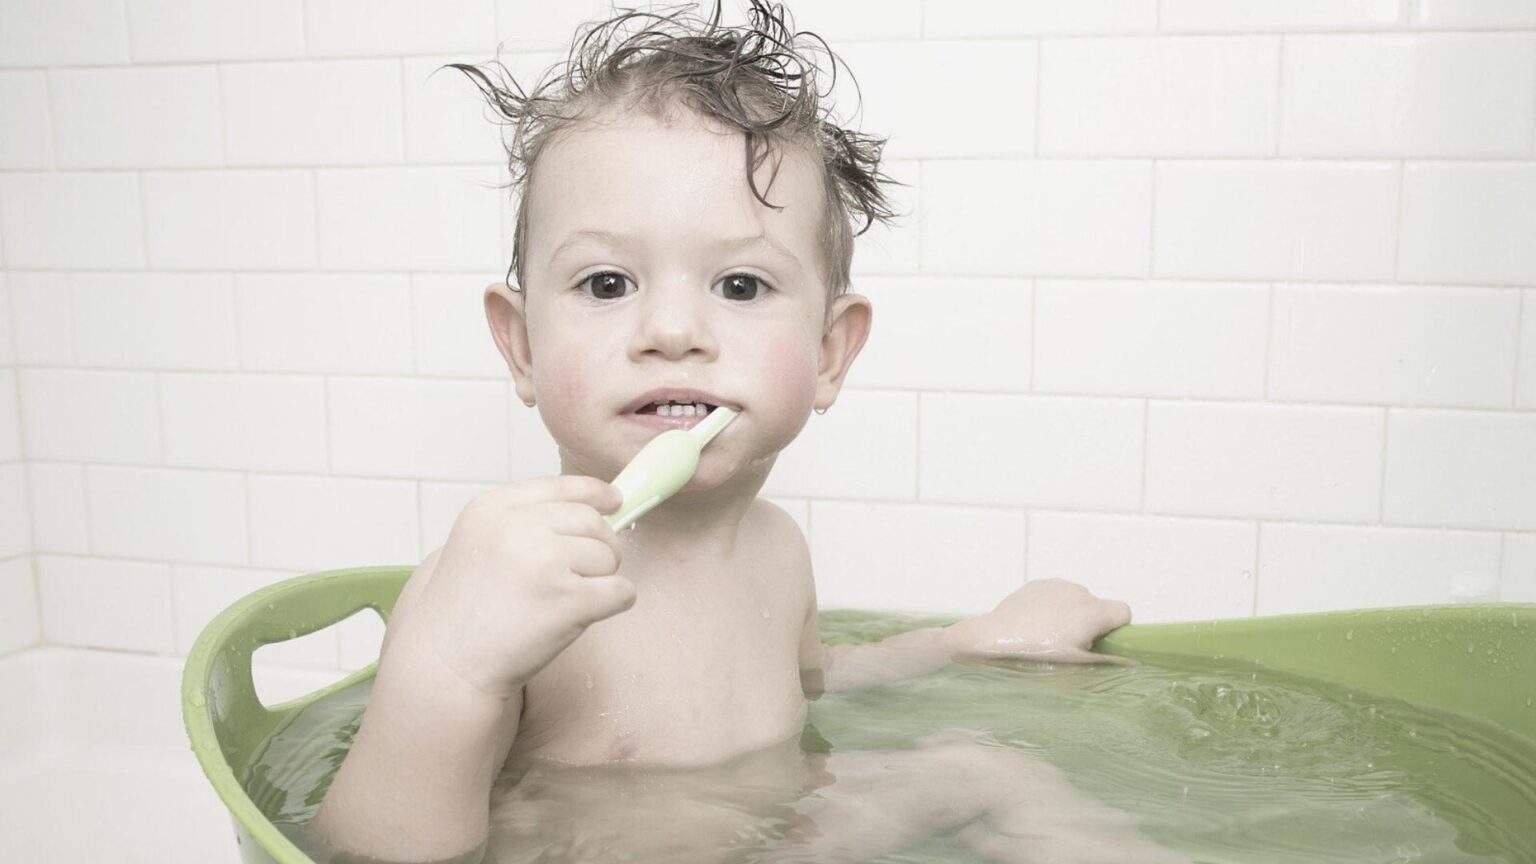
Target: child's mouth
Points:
(676, 409)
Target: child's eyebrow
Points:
(726, 244)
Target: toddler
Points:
(683, 242)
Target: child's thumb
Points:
(606, 596)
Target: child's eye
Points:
(607, 285)
(740, 286)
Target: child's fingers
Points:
(580, 520)
(605, 596)
(1116, 614)
(589, 557)
(603, 497)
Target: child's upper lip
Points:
(678, 394)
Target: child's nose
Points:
(673, 324)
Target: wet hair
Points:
(760, 78)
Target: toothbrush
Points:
(663, 466)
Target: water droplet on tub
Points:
(1471, 649)
(766, 614)
(590, 683)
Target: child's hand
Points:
(526, 569)
(1051, 619)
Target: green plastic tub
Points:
(1478, 661)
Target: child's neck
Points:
(692, 530)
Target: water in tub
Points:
(1220, 763)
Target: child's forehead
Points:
(640, 173)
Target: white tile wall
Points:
(1231, 305)
(1164, 97)
(1166, 569)
(1306, 568)
(355, 104)
(117, 117)
(102, 603)
(322, 322)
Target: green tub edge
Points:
(1425, 655)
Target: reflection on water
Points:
(1219, 762)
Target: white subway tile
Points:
(321, 523)
(10, 417)
(201, 593)
(1159, 97)
(410, 219)
(926, 331)
(155, 320)
(1151, 339)
(1320, 568)
(244, 422)
(63, 33)
(152, 117)
(444, 430)
(84, 221)
(891, 248)
(231, 220)
(1397, 345)
(1461, 469)
(172, 31)
(1275, 220)
(90, 416)
(452, 336)
(197, 517)
(7, 342)
(18, 605)
(1279, 15)
(1048, 218)
(1526, 373)
(334, 112)
(533, 450)
(41, 316)
(993, 18)
(864, 447)
(323, 322)
(1264, 461)
(97, 603)
(536, 25)
(15, 515)
(398, 26)
(441, 504)
(923, 96)
(1473, 14)
(26, 136)
(1409, 95)
(840, 21)
(1165, 569)
(1037, 451)
(361, 637)
(1518, 583)
(910, 558)
(59, 516)
(447, 120)
(1468, 222)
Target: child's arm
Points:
(527, 567)
(1051, 619)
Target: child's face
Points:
(651, 267)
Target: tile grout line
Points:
(1258, 555)
(1381, 485)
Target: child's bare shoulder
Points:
(776, 526)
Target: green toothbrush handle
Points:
(663, 466)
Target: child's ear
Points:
(847, 329)
(505, 312)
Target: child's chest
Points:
(683, 677)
